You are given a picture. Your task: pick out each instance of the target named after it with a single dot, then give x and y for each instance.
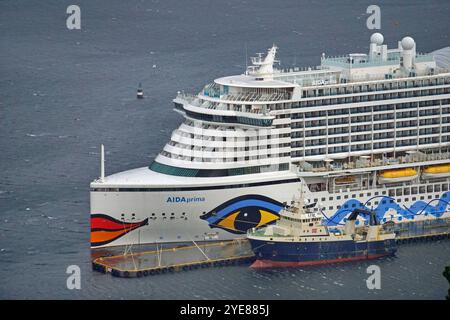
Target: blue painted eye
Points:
(242, 213)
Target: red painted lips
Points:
(105, 229)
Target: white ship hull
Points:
(176, 216)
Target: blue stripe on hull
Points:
(316, 251)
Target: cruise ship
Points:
(367, 131)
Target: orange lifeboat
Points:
(397, 175)
(438, 171)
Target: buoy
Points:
(140, 92)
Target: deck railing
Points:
(386, 162)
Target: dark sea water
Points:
(63, 93)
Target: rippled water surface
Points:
(62, 93)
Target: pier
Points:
(412, 231)
(175, 259)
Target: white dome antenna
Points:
(408, 43)
(377, 38)
(377, 49)
(408, 52)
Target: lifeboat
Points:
(397, 175)
(345, 180)
(439, 171)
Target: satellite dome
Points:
(377, 38)
(408, 43)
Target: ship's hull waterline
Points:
(287, 254)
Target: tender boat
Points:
(397, 175)
(434, 172)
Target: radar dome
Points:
(408, 43)
(377, 38)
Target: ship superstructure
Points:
(368, 131)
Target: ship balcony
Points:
(219, 104)
(411, 157)
(246, 97)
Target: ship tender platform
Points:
(178, 258)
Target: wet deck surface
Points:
(172, 259)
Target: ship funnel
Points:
(349, 227)
(262, 68)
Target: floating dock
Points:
(160, 261)
(411, 231)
